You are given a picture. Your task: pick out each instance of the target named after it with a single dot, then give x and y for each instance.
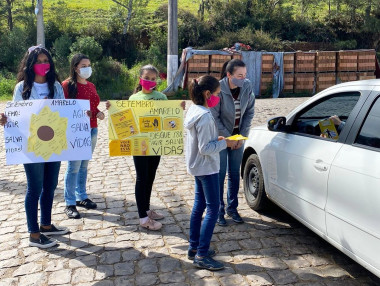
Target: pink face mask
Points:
(213, 101)
(147, 84)
(41, 69)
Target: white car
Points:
(332, 186)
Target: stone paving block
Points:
(124, 281)
(60, 277)
(110, 257)
(251, 243)
(103, 271)
(259, 279)
(146, 279)
(272, 263)
(172, 277)
(232, 280)
(81, 261)
(131, 255)
(228, 246)
(148, 266)
(35, 279)
(82, 275)
(281, 277)
(8, 254)
(124, 268)
(27, 269)
(54, 265)
(248, 266)
(9, 282)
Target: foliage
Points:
(88, 46)
(7, 84)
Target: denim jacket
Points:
(224, 112)
(17, 94)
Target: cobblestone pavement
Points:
(107, 247)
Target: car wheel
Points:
(254, 184)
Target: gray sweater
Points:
(224, 112)
(202, 145)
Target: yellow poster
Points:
(328, 129)
(145, 128)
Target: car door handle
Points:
(320, 166)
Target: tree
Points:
(6, 9)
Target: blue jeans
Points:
(206, 195)
(76, 176)
(42, 180)
(233, 158)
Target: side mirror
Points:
(277, 124)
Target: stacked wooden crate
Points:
(305, 72)
(216, 64)
(347, 66)
(197, 66)
(288, 67)
(266, 73)
(325, 70)
(366, 64)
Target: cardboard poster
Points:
(328, 129)
(47, 130)
(145, 128)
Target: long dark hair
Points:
(72, 85)
(145, 68)
(230, 67)
(27, 74)
(198, 86)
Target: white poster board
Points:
(47, 130)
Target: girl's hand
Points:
(183, 105)
(231, 143)
(3, 119)
(89, 113)
(100, 115)
(239, 144)
(108, 104)
(220, 138)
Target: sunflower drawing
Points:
(47, 133)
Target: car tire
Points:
(253, 182)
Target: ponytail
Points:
(199, 86)
(230, 67)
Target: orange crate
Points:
(191, 76)
(347, 61)
(237, 56)
(265, 82)
(305, 61)
(366, 75)
(304, 82)
(346, 76)
(288, 83)
(217, 62)
(267, 63)
(325, 80)
(198, 63)
(289, 62)
(216, 75)
(367, 60)
(326, 61)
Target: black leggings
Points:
(146, 167)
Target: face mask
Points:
(147, 84)
(41, 69)
(213, 101)
(237, 82)
(85, 72)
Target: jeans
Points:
(233, 158)
(42, 180)
(76, 176)
(146, 167)
(206, 195)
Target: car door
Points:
(353, 202)
(299, 161)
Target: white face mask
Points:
(85, 72)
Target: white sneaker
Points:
(151, 224)
(154, 215)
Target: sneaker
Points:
(235, 217)
(151, 224)
(87, 203)
(71, 212)
(54, 230)
(42, 242)
(191, 253)
(207, 263)
(221, 221)
(154, 215)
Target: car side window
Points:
(369, 134)
(341, 105)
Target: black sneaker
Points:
(191, 254)
(54, 230)
(221, 221)
(87, 203)
(71, 212)
(207, 263)
(42, 242)
(235, 217)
